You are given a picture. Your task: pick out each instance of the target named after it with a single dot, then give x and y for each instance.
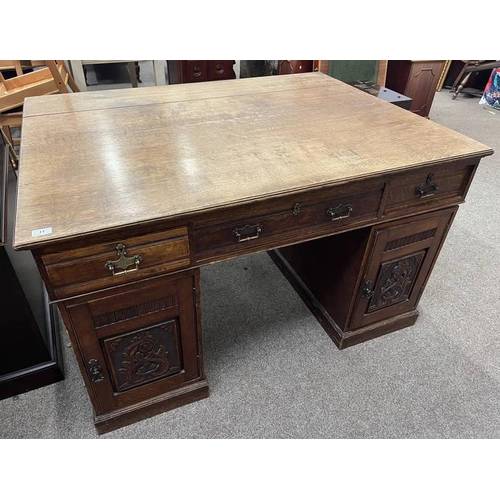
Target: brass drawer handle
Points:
(428, 189)
(247, 233)
(123, 262)
(339, 212)
(95, 371)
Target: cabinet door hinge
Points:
(366, 290)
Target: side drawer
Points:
(116, 262)
(287, 220)
(429, 187)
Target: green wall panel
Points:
(348, 71)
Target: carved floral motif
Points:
(395, 281)
(144, 360)
(143, 356)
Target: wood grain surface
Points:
(101, 160)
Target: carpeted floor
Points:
(274, 373)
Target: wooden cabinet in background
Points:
(415, 79)
(288, 67)
(199, 71)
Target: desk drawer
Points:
(116, 262)
(287, 220)
(429, 187)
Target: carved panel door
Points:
(136, 344)
(402, 256)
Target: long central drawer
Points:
(286, 220)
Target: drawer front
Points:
(117, 262)
(135, 344)
(195, 71)
(429, 188)
(289, 220)
(221, 70)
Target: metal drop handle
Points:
(428, 189)
(95, 371)
(247, 233)
(366, 291)
(339, 212)
(123, 262)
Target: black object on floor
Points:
(29, 349)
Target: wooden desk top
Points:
(101, 160)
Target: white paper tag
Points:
(42, 232)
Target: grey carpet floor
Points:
(274, 373)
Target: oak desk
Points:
(124, 194)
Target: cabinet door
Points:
(137, 343)
(422, 83)
(401, 258)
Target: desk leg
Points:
(367, 282)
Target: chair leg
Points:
(14, 159)
(8, 121)
(78, 73)
(7, 133)
(56, 71)
(72, 84)
(461, 86)
(459, 78)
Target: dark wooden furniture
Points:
(415, 79)
(373, 279)
(120, 227)
(475, 83)
(199, 71)
(469, 68)
(29, 347)
(288, 67)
